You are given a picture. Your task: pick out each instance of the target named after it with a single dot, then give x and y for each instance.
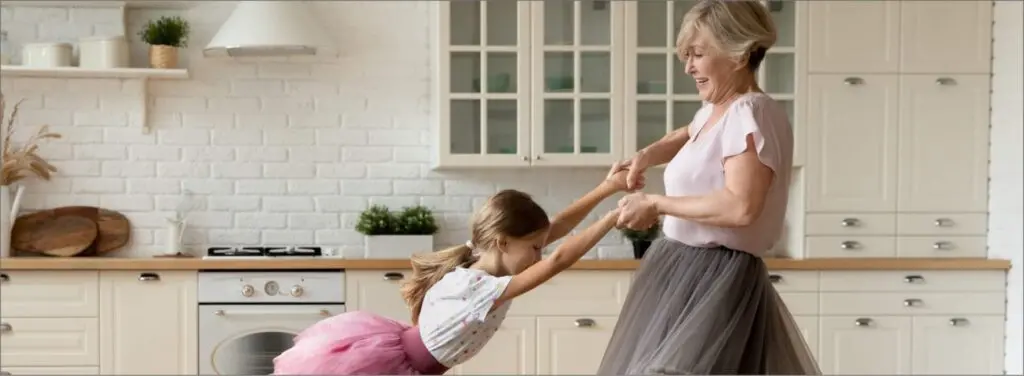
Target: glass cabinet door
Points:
(577, 70)
(778, 73)
(484, 98)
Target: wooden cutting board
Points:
(63, 236)
(113, 228)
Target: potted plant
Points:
(164, 37)
(18, 162)
(397, 235)
(642, 239)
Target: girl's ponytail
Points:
(427, 269)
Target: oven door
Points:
(237, 339)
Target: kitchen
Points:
(290, 150)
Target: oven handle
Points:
(322, 312)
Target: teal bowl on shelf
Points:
(496, 83)
(558, 83)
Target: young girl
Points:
(458, 296)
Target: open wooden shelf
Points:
(76, 72)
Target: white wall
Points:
(1006, 202)
(276, 151)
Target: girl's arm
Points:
(567, 254)
(571, 217)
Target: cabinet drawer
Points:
(801, 303)
(788, 280)
(912, 303)
(20, 371)
(49, 294)
(942, 246)
(850, 224)
(576, 293)
(911, 280)
(850, 246)
(942, 224)
(49, 342)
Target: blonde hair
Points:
(507, 214)
(740, 29)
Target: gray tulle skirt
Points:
(705, 311)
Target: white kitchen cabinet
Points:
(868, 345)
(539, 88)
(377, 291)
(958, 345)
(945, 36)
(510, 352)
(572, 345)
(149, 323)
(943, 143)
(853, 36)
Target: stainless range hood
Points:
(269, 28)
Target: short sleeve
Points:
(483, 291)
(753, 118)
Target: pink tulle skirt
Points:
(358, 343)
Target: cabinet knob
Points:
(526, 158)
(149, 277)
(850, 81)
(537, 158)
(958, 321)
(775, 278)
(943, 222)
(248, 291)
(945, 81)
(912, 302)
(942, 246)
(5, 327)
(863, 321)
(5, 278)
(850, 222)
(392, 276)
(849, 244)
(913, 279)
(585, 323)
(296, 291)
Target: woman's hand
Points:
(634, 169)
(637, 212)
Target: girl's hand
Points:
(619, 175)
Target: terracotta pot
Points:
(163, 57)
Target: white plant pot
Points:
(397, 246)
(5, 221)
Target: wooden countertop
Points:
(111, 263)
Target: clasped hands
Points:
(636, 210)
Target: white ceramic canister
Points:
(104, 52)
(46, 55)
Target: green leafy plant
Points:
(643, 235)
(413, 220)
(377, 220)
(416, 220)
(166, 31)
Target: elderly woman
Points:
(701, 302)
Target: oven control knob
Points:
(248, 290)
(296, 291)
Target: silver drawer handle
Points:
(943, 222)
(863, 321)
(584, 323)
(149, 277)
(913, 279)
(942, 246)
(945, 81)
(849, 245)
(5, 278)
(775, 278)
(850, 222)
(958, 321)
(392, 276)
(5, 327)
(849, 81)
(912, 302)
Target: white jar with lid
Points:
(103, 52)
(46, 55)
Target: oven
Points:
(247, 318)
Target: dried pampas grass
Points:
(23, 161)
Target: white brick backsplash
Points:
(288, 237)
(289, 170)
(288, 204)
(259, 221)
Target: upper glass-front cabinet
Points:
(662, 97)
(573, 83)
